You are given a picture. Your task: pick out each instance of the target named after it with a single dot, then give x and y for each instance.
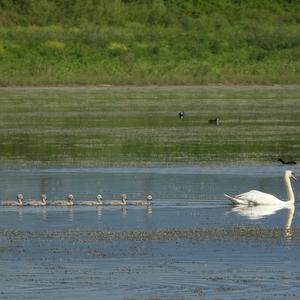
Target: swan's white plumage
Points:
(254, 197)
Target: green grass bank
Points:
(142, 42)
(139, 126)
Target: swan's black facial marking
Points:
(293, 176)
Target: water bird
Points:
(17, 202)
(214, 121)
(291, 162)
(120, 203)
(254, 197)
(68, 202)
(98, 201)
(41, 202)
(141, 202)
(181, 115)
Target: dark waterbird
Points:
(291, 162)
(214, 121)
(181, 115)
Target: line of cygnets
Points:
(70, 201)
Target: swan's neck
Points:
(289, 190)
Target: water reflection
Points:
(20, 213)
(124, 211)
(288, 222)
(256, 212)
(149, 210)
(99, 213)
(44, 212)
(262, 211)
(70, 213)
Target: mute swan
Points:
(68, 202)
(41, 202)
(141, 202)
(259, 198)
(18, 202)
(93, 203)
(118, 203)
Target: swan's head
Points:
(70, 197)
(20, 197)
(123, 196)
(99, 198)
(44, 197)
(149, 197)
(290, 174)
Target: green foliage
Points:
(149, 41)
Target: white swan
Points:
(259, 198)
(141, 202)
(93, 203)
(41, 202)
(18, 202)
(68, 202)
(119, 203)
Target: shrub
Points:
(117, 49)
(54, 45)
(2, 49)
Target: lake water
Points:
(54, 252)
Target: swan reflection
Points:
(262, 211)
(99, 213)
(288, 222)
(124, 211)
(149, 210)
(256, 212)
(70, 213)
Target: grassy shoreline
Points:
(139, 126)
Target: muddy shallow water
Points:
(189, 244)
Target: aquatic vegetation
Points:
(96, 236)
(139, 126)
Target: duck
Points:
(41, 202)
(181, 115)
(291, 162)
(254, 197)
(98, 201)
(141, 202)
(214, 121)
(68, 202)
(17, 202)
(119, 203)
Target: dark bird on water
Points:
(181, 115)
(287, 162)
(214, 121)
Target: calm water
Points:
(184, 198)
